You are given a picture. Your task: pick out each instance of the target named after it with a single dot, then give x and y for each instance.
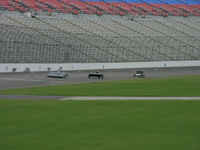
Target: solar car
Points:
(57, 74)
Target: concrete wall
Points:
(93, 66)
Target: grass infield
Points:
(104, 125)
(99, 125)
(173, 86)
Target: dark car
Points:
(96, 74)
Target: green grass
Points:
(99, 125)
(174, 86)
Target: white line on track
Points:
(13, 79)
(128, 98)
(34, 97)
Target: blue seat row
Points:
(153, 2)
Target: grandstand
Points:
(94, 31)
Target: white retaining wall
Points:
(94, 66)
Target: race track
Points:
(24, 80)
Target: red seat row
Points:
(100, 8)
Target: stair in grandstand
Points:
(121, 34)
(50, 37)
(171, 33)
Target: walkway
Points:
(32, 97)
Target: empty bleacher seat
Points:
(112, 7)
(4, 3)
(29, 3)
(153, 1)
(81, 6)
(173, 2)
(191, 2)
(119, 1)
(133, 1)
(92, 0)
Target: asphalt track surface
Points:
(25, 80)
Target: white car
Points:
(139, 73)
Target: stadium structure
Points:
(41, 35)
